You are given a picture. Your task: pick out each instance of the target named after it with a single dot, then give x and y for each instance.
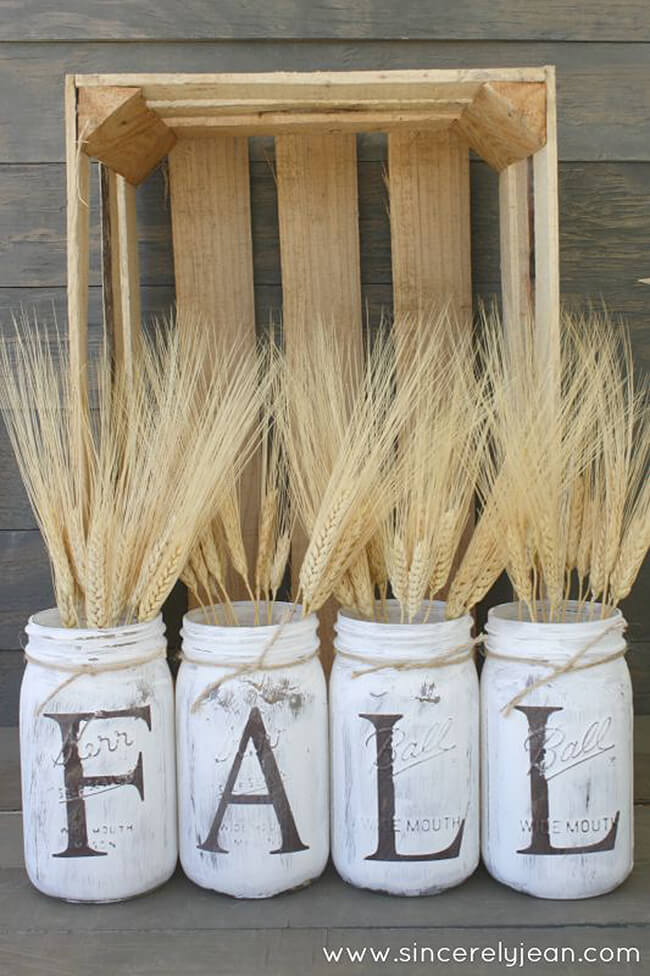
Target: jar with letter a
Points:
(251, 712)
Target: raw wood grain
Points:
(120, 265)
(505, 122)
(603, 235)
(199, 19)
(213, 262)
(321, 270)
(78, 245)
(430, 221)
(547, 238)
(119, 129)
(603, 95)
(515, 245)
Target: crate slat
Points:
(547, 238)
(213, 264)
(120, 265)
(430, 221)
(320, 259)
(515, 214)
(202, 121)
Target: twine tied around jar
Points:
(246, 668)
(556, 670)
(457, 655)
(89, 667)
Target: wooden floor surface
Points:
(182, 930)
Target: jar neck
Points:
(429, 637)
(510, 630)
(65, 648)
(288, 639)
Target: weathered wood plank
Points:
(87, 20)
(603, 95)
(603, 234)
(284, 952)
(605, 221)
(26, 586)
(12, 664)
(180, 906)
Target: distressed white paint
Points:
(135, 835)
(288, 690)
(434, 751)
(586, 758)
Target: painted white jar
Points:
(404, 752)
(557, 783)
(97, 760)
(252, 753)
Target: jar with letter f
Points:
(404, 751)
(97, 760)
(556, 752)
(251, 714)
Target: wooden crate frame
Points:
(433, 118)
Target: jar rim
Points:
(510, 635)
(289, 638)
(359, 637)
(56, 646)
(508, 615)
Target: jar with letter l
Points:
(404, 751)
(556, 752)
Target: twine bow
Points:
(255, 665)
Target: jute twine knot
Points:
(89, 667)
(572, 664)
(246, 668)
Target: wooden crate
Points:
(202, 123)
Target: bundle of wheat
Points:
(417, 548)
(120, 481)
(221, 547)
(565, 488)
(384, 464)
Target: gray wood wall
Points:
(602, 53)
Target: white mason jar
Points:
(404, 752)
(252, 753)
(97, 760)
(557, 784)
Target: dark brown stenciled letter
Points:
(386, 847)
(75, 781)
(537, 717)
(255, 732)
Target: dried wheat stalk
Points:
(340, 424)
(155, 445)
(222, 543)
(566, 486)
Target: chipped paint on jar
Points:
(557, 783)
(97, 760)
(252, 753)
(404, 752)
